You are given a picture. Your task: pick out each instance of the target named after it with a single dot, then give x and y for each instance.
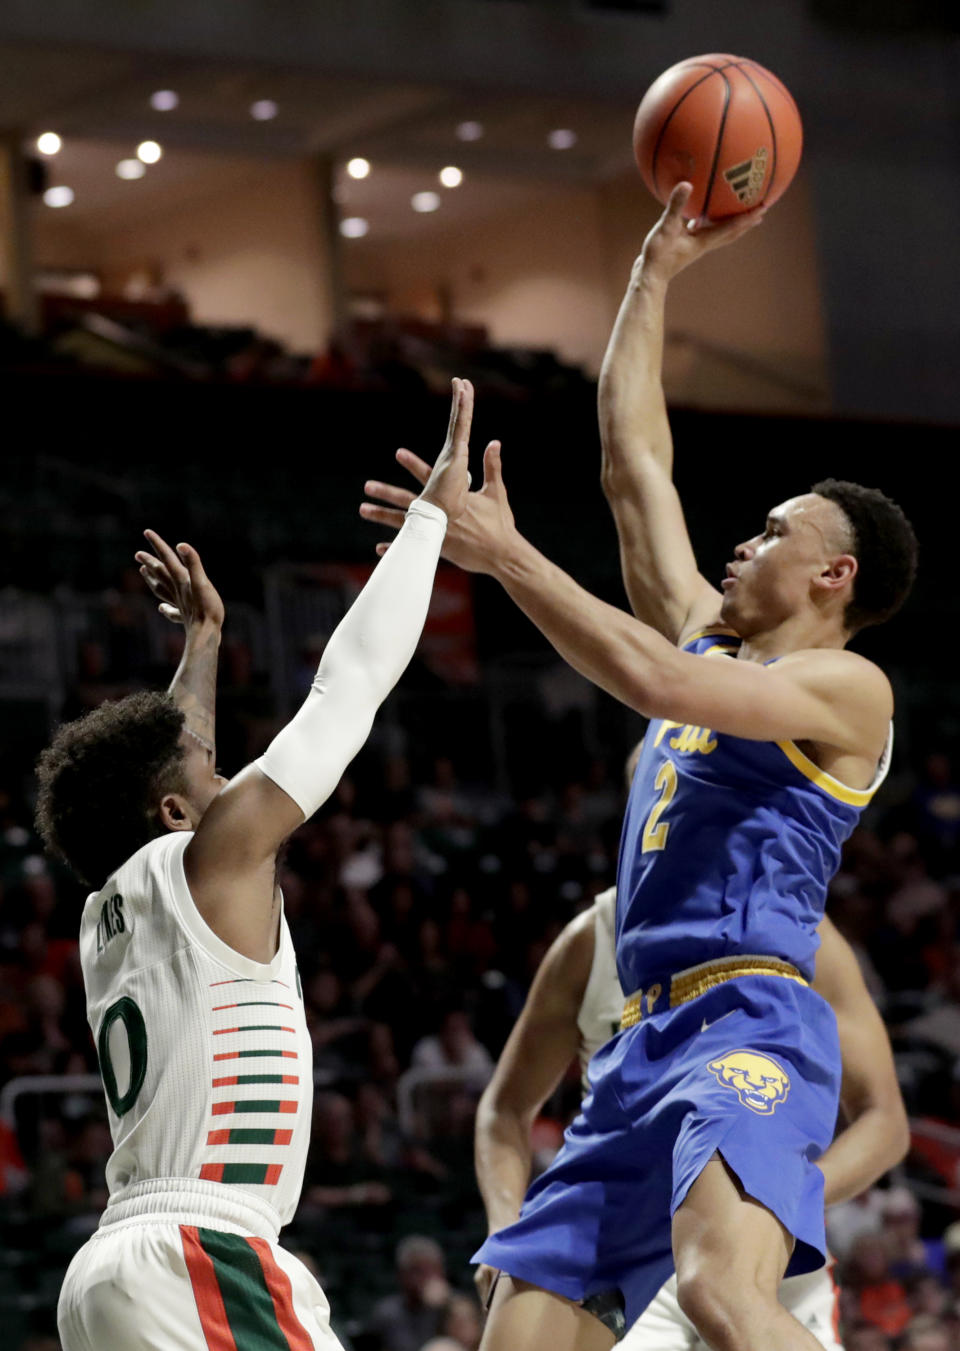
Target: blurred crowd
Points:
(421, 901)
(158, 340)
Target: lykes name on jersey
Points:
(111, 921)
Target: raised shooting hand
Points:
(674, 242)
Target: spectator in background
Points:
(455, 1047)
(873, 1292)
(925, 1334)
(338, 1173)
(901, 1230)
(846, 1221)
(866, 1337)
(404, 1321)
(462, 1322)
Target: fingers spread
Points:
(167, 556)
(492, 475)
(382, 515)
(417, 467)
(388, 492)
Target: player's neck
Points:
(796, 634)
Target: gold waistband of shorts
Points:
(687, 985)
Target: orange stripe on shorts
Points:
(206, 1292)
(281, 1292)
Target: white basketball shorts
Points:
(663, 1326)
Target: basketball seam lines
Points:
(773, 132)
(716, 153)
(714, 70)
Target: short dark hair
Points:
(884, 546)
(101, 780)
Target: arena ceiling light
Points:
(264, 110)
(354, 227)
(58, 196)
(450, 176)
(561, 138)
(49, 143)
(164, 100)
(469, 131)
(149, 151)
(130, 169)
(425, 201)
(358, 167)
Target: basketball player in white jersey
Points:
(574, 1006)
(193, 994)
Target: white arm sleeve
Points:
(367, 653)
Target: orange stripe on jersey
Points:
(206, 1292)
(252, 1027)
(252, 1004)
(212, 1172)
(240, 1105)
(272, 1175)
(231, 1080)
(250, 1055)
(281, 1292)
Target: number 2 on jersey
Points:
(655, 832)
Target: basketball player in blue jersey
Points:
(696, 1148)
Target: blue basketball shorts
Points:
(749, 1070)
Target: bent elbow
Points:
(900, 1139)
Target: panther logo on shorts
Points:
(758, 1081)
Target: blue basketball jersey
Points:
(728, 846)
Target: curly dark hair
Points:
(884, 546)
(101, 779)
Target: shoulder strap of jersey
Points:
(716, 638)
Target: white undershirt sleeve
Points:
(367, 653)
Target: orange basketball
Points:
(724, 124)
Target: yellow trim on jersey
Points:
(711, 631)
(855, 797)
(717, 647)
(687, 985)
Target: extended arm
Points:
(188, 597)
(827, 696)
(542, 1044)
(660, 573)
(878, 1135)
(230, 860)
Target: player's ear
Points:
(174, 813)
(838, 573)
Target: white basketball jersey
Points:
(602, 1005)
(205, 1056)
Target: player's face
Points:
(200, 771)
(770, 578)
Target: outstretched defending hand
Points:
(177, 579)
(479, 538)
(674, 242)
(447, 483)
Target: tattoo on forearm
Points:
(194, 687)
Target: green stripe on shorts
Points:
(248, 1302)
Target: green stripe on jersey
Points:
(246, 1298)
(249, 1135)
(258, 1105)
(245, 1055)
(245, 1172)
(267, 1078)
